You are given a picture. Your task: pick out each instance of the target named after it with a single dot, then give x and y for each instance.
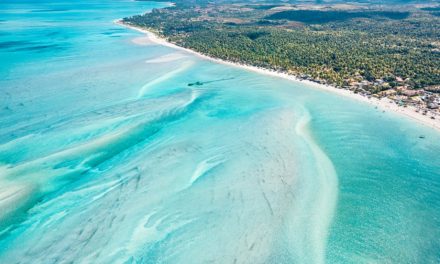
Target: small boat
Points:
(199, 83)
(422, 136)
(195, 84)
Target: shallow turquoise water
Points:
(108, 156)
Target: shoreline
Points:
(384, 104)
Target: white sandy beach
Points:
(384, 104)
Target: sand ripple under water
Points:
(120, 152)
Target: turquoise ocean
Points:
(108, 154)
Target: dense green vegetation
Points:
(317, 16)
(380, 48)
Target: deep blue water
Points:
(108, 156)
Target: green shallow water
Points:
(108, 156)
